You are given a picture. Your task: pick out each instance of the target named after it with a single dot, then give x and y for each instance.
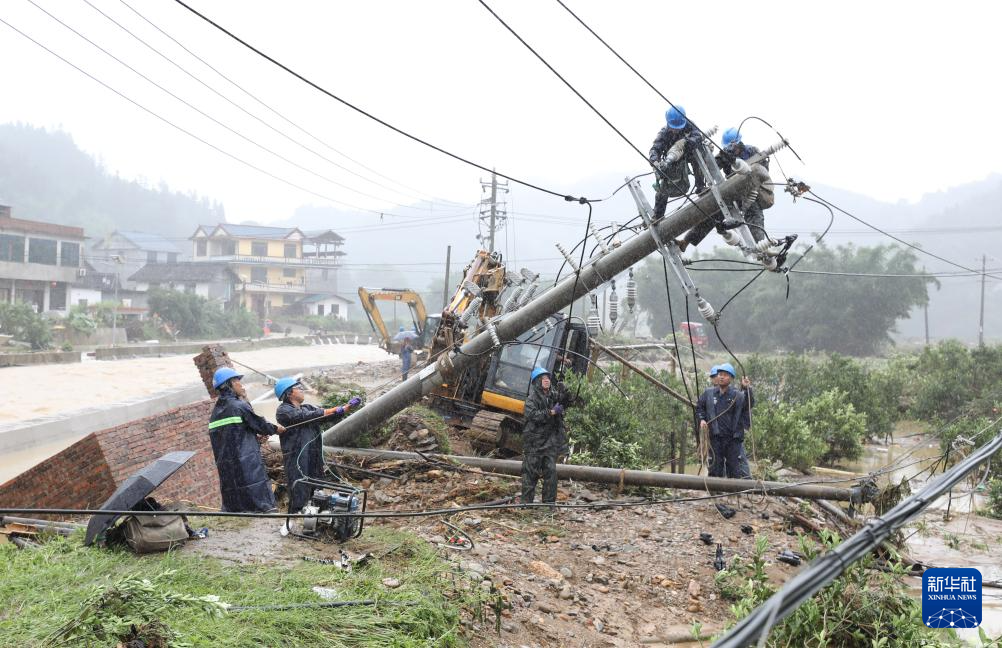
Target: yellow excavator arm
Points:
(368, 298)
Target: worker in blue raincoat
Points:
(725, 413)
(302, 443)
(234, 429)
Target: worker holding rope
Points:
(543, 437)
(724, 414)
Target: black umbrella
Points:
(135, 489)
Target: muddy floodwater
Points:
(961, 540)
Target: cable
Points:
(577, 273)
(221, 124)
(830, 566)
(250, 114)
(276, 112)
(634, 70)
(168, 122)
(899, 240)
(360, 111)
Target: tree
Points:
(848, 314)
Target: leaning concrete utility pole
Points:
(509, 327)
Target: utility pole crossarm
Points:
(508, 327)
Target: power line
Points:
(899, 240)
(168, 122)
(633, 69)
(285, 118)
(369, 115)
(826, 568)
(216, 121)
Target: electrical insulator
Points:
(512, 301)
(706, 310)
(593, 322)
(528, 295)
(631, 292)
(613, 304)
(472, 311)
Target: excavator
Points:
(489, 396)
(423, 324)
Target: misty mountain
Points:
(45, 176)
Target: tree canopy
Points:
(854, 315)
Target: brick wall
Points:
(88, 472)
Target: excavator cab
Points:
(560, 346)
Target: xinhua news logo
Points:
(951, 597)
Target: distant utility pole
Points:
(925, 308)
(491, 211)
(981, 321)
(445, 286)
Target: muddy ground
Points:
(576, 577)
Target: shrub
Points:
(779, 432)
(994, 508)
(21, 321)
(831, 417)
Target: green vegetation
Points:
(863, 607)
(847, 315)
(193, 316)
(65, 594)
(21, 321)
(642, 430)
(994, 508)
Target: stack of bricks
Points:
(88, 472)
(211, 358)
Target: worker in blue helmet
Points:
(302, 443)
(673, 156)
(235, 431)
(733, 148)
(724, 415)
(544, 438)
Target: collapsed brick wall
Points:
(88, 472)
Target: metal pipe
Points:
(9, 519)
(448, 367)
(625, 477)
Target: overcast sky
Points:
(889, 99)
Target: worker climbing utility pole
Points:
(508, 327)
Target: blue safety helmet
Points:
(401, 329)
(222, 375)
(676, 117)
(730, 136)
(283, 385)
(713, 370)
(728, 367)
(537, 372)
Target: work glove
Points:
(355, 401)
(558, 409)
(339, 410)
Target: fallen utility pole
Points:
(827, 567)
(574, 286)
(643, 374)
(627, 477)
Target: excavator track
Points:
(493, 431)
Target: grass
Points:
(45, 588)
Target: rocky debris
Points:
(391, 583)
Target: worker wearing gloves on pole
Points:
(543, 437)
(672, 155)
(724, 414)
(302, 443)
(234, 430)
(734, 149)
